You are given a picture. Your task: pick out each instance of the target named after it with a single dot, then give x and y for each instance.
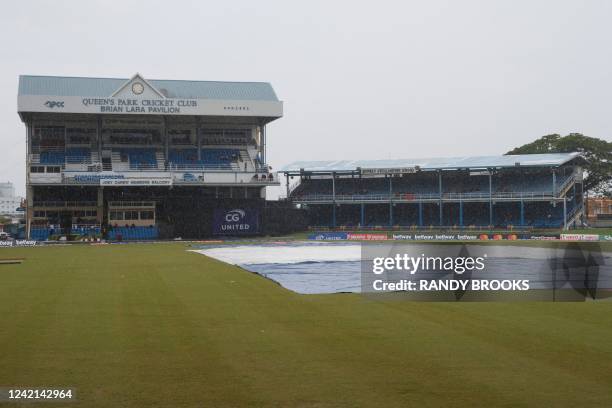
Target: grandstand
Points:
(512, 191)
(142, 159)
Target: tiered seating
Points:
(78, 155)
(184, 158)
(133, 233)
(39, 234)
(428, 185)
(219, 158)
(140, 158)
(210, 158)
(84, 231)
(52, 157)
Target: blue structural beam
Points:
(420, 214)
(522, 213)
(461, 213)
(440, 191)
(362, 216)
(390, 201)
(334, 215)
(490, 198)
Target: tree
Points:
(597, 152)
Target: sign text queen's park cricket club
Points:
(151, 106)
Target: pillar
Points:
(263, 144)
(333, 199)
(198, 135)
(440, 191)
(100, 206)
(390, 201)
(490, 198)
(420, 213)
(362, 215)
(564, 213)
(166, 142)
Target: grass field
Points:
(151, 325)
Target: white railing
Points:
(143, 204)
(64, 204)
(421, 197)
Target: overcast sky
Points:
(360, 80)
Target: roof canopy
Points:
(139, 96)
(450, 163)
(106, 87)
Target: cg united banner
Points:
(236, 221)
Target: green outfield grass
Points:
(151, 325)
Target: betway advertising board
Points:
(236, 221)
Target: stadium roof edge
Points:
(450, 163)
(176, 88)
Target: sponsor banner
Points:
(136, 182)
(17, 243)
(543, 237)
(92, 178)
(579, 237)
(237, 221)
(435, 237)
(329, 236)
(368, 237)
(399, 170)
(605, 237)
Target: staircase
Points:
(246, 158)
(574, 216)
(565, 187)
(160, 159)
(119, 165)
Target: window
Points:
(116, 215)
(37, 169)
(53, 169)
(146, 215)
(131, 215)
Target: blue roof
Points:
(450, 163)
(105, 87)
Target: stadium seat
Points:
(133, 233)
(52, 157)
(139, 158)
